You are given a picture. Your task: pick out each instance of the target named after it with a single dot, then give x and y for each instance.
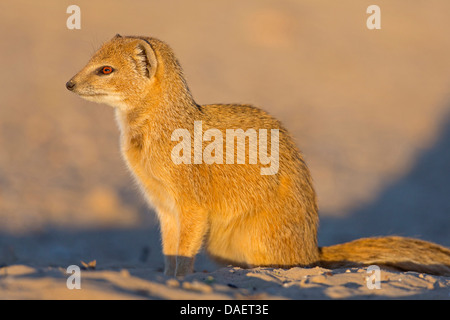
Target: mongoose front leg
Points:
(182, 237)
(193, 225)
(170, 238)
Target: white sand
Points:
(24, 282)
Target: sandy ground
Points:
(369, 109)
(25, 282)
(127, 267)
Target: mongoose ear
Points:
(145, 58)
(117, 36)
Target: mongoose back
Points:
(250, 200)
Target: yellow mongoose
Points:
(242, 215)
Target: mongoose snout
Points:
(70, 85)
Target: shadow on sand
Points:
(418, 205)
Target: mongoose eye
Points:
(106, 70)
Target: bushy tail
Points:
(399, 253)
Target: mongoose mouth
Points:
(112, 99)
(92, 94)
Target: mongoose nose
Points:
(70, 85)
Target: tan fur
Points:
(393, 252)
(239, 215)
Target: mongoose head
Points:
(127, 70)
